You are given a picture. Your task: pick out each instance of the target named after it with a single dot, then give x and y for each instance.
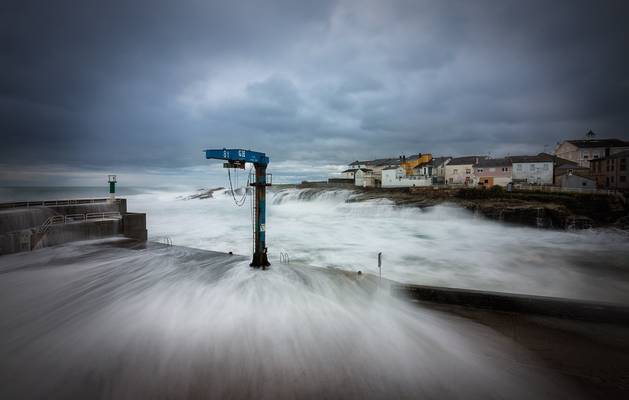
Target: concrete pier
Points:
(526, 304)
(591, 356)
(25, 226)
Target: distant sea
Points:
(33, 193)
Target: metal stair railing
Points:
(54, 220)
(66, 219)
(284, 258)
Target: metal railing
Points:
(66, 219)
(284, 258)
(49, 203)
(165, 240)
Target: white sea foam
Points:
(90, 321)
(443, 245)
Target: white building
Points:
(460, 170)
(534, 170)
(348, 173)
(363, 177)
(396, 177)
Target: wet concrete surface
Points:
(121, 319)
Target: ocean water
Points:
(94, 319)
(444, 245)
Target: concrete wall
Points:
(134, 226)
(576, 182)
(59, 234)
(19, 226)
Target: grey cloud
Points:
(94, 84)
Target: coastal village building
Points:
(410, 163)
(460, 170)
(561, 166)
(611, 172)
(491, 172)
(363, 177)
(576, 180)
(439, 169)
(348, 173)
(396, 177)
(369, 173)
(585, 150)
(424, 170)
(534, 170)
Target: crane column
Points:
(259, 256)
(236, 158)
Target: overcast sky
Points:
(142, 87)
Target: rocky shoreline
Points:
(536, 209)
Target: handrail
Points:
(284, 258)
(45, 203)
(66, 219)
(55, 219)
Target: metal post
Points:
(380, 264)
(259, 256)
(112, 187)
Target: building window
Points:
(623, 164)
(456, 171)
(595, 155)
(585, 157)
(623, 178)
(612, 179)
(519, 167)
(480, 170)
(468, 171)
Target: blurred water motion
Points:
(92, 320)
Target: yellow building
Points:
(408, 165)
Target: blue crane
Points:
(236, 158)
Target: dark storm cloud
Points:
(150, 84)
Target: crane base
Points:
(260, 261)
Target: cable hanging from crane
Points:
(238, 201)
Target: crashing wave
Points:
(293, 195)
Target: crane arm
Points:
(237, 155)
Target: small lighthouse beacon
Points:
(112, 187)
